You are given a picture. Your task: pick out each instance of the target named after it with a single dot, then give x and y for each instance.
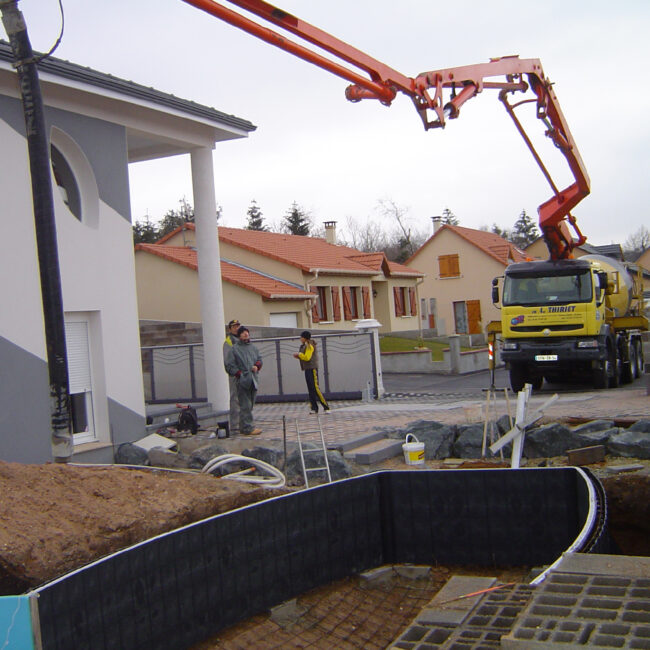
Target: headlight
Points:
(591, 343)
(510, 346)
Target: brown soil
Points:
(55, 518)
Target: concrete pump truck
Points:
(560, 317)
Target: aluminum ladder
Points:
(321, 450)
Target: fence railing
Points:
(348, 369)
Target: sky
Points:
(339, 160)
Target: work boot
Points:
(254, 432)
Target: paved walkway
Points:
(351, 419)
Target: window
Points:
(66, 182)
(328, 305)
(321, 303)
(405, 301)
(351, 303)
(449, 266)
(80, 381)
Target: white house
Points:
(97, 125)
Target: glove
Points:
(238, 374)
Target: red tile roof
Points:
(501, 250)
(308, 253)
(264, 285)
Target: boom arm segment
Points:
(426, 91)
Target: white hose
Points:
(276, 480)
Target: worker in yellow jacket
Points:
(308, 358)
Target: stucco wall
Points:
(474, 283)
(97, 273)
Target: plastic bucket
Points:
(413, 451)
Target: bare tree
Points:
(637, 242)
(366, 236)
(403, 241)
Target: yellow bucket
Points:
(413, 451)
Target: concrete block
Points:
(412, 571)
(287, 613)
(586, 455)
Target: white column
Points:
(210, 291)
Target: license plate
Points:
(546, 357)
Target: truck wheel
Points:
(600, 376)
(614, 367)
(634, 366)
(537, 382)
(517, 378)
(639, 358)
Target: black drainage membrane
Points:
(182, 587)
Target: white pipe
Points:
(276, 480)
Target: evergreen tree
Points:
(296, 221)
(505, 233)
(449, 218)
(255, 218)
(524, 231)
(172, 219)
(145, 232)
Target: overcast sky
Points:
(338, 159)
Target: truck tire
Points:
(614, 367)
(537, 382)
(600, 376)
(639, 358)
(634, 367)
(517, 378)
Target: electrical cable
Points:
(58, 40)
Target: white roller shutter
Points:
(76, 340)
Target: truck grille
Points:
(553, 328)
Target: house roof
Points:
(491, 244)
(309, 254)
(86, 75)
(265, 285)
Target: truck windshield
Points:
(540, 290)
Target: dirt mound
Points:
(55, 518)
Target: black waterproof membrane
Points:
(180, 588)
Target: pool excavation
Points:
(182, 587)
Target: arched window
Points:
(66, 182)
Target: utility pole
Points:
(43, 201)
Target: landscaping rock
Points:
(339, 467)
(469, 442)
(641, 425)
(161, 457)
(270, 455)
(592, 426)
(130, 454)
(199, 457)
(504, 425)
(630, 444)
(598, 437)
(437, 437)
(550, 440)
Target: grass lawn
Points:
(396, 344)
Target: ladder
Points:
(322, 450)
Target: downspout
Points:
(45, 226)
(419, 310)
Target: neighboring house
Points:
(643, 259)
(97, 124)
(278, 280)
(459, 264)
(538, 249)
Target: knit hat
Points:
(306, 334)
(243, 328)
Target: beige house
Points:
(459, 264)
(278, 280)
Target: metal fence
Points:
(348, 369)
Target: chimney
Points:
(330, 232)
(437, 222)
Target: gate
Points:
(347, 367)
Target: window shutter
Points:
(336, 303)
(347, 306)
(76, 341)
(413, 303)
(397, 296)
(449, 266)
(315, 318)
(365, 293)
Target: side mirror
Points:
(495, 291)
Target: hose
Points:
(275, 480)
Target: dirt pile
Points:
(55, 518)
